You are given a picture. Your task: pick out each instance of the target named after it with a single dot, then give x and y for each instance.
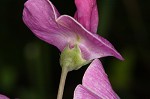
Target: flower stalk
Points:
(62, 82)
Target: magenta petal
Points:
(3, 97)
(40, 16)
(92, 45)
(83, 93)
(87, 14)
(44, 21)
(95, 79)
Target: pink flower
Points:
(3, 97)
(46, 23)
(95, 84)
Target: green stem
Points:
(62, 82)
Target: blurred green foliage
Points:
(29, 67)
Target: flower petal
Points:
(40, 16)
(87, 14)
(44, 21)
(3, 97)
(82, 93)
(92, 45)
(95, 79)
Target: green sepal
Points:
(72, 59)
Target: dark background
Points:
(29, 67)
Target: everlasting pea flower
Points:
(95, 84)
(3, 97)
(64, 31)
(75, 37)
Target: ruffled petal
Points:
(92, 45)
(40, 17)
(3, 97)
(87, 14)
(83, 93)
(95, 79)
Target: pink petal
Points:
(87, 14)
(83, 93)
(3, 97)
(40, 16)
(92, 45)
(95, 79)
(44, 21)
